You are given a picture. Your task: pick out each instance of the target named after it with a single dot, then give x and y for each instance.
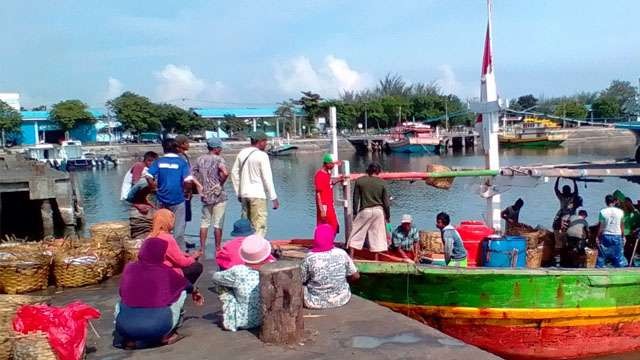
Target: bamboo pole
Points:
(412, 176)
(348, 201)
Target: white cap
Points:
(406, 218)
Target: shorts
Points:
(213, 215)
(369, 224)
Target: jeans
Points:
(145, 326)
(178, 211)
(611, 249)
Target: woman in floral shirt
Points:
(325, 270)
(241, 303)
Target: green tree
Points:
(606, 107)
(624, 94)
(310, 103)
(571, 109)
(39, 108)
(285, 112)
(176, 119)
(231, 124)
(10, 120)
(67, 114)
(135, 112)
(393, 85)
(526, 102)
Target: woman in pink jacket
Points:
(182, 263)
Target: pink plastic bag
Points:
(66, 327)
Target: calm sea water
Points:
(293, 177)
(296, 216)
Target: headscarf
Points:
(148, 283)
(163, 221)
(323, 238)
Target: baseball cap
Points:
(327, 158)
(258, 135)
(214, 142)
(406, 219)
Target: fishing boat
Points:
(532, 133)
(414, 138)
(279, 148)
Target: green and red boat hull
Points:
(516, 314)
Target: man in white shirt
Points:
(610, 243)
(253, 182)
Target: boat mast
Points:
(488, 121)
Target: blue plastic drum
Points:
(506, 251)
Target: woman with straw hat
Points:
(241, 303)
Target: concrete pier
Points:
(359, 330)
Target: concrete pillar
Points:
(46, 211)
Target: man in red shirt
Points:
(325, 210)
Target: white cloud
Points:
(330, 79)
(177, 82)
(114, 88)
(449, 83)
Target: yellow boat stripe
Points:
(521, 317)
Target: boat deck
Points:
(359, 330)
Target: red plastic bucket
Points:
(473, 232)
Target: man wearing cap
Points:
(211, 170)
(253, 182)
(325, 210)
(406, 240)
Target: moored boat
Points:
(532, 134)
(414, 138)
(515, 313)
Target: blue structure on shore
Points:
(36, 125)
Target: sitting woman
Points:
(325, 270)
(229, 254)
(151, 299)
(241, 304)
(182, 263)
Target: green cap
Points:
(327, 158)
(258, 136)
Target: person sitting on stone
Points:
(152, 296)
(325, 270)
(406, 240)
(182, 263)
(454, 252)
(240, 295)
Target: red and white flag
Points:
(488, 91)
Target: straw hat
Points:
(255, 249)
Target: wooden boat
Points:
(414, 138)
(532, 136)
(513, 313)
(282, 150)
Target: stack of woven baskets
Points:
(13, 345)
(24, 267)
(29, 266)
(537, 242)
(431, 242)
(440, 183)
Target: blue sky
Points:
(254, 52)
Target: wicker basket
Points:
(33, 346)
(6, 346)
(131, 250)
(78, 267)
(111, 259)
(25, 272)
(534, 257)
(590, 258)
(431, 242)
(8, 306)
(440, 183)
(110, 234)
